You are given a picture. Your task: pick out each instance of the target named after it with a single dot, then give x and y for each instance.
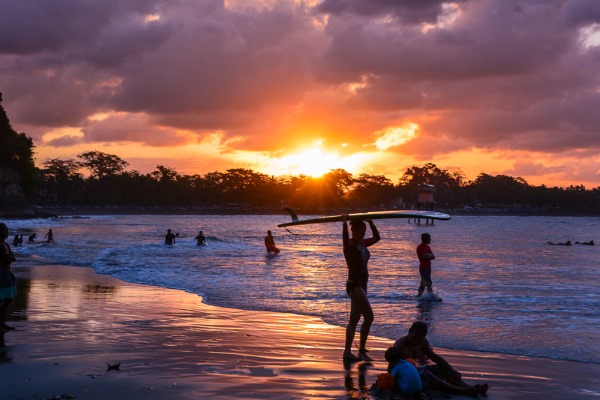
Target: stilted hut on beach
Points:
(424, 201)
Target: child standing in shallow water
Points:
(425, 256)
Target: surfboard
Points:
(365, 215)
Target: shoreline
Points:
(71, 322)
(59, 211)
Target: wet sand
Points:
(72, 322)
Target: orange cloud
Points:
(210, 85)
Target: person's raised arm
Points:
(345, 234)
(376, 237)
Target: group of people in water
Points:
(18, 239)
(568, 243)
(201, 240)
(170, 238)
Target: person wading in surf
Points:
(357, 256)
(425, 256)
(270, 243)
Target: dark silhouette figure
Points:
(567, 243)
(425, 256)
(49, 236)
(200, 239)
(170, 237)
(270, 243)
(439, 376)
(357, 256)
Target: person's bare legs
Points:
(443, 386)
(351, 330)
(359, 306)
(3, 310)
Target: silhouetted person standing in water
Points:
(270, 243)
(200, 239)
(49, 236)
(425, 256)
(170, 237)
(357, 256)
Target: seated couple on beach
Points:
(412, 376)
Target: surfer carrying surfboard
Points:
(357, 256)
(425, 256)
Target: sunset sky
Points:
(288, 87)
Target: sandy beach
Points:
(72, 322)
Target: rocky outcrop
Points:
(12, 197)
(16, 165)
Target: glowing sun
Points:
(314, 162)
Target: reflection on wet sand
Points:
(72, 322)
(353, 391)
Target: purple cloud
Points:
(489, 74)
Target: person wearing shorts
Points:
(425, 256)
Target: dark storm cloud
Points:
(33, 26)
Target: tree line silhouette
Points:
(106, 182)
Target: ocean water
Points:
(504, 288)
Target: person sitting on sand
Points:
(440, 376)
(200, 239)
(405, 374)
(170, 237)
(590, 243)
(270, 243)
